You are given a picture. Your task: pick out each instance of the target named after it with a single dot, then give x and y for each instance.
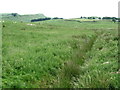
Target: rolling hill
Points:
(23, 18)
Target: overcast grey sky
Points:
(61, 8)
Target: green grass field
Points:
(60, 54)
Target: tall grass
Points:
(0, 52)
(34, 55)
(101, 70)
(72, 67)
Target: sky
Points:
(61, 8)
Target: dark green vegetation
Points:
(0, 53)
(59, 53)
(23, 18)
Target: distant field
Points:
(85, 19)
(60, 54)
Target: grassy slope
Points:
(33, 55)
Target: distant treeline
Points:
(90, 17)
(43, 19)
(103, 18)
(40, 19)
(99, 18)
(110, 18)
